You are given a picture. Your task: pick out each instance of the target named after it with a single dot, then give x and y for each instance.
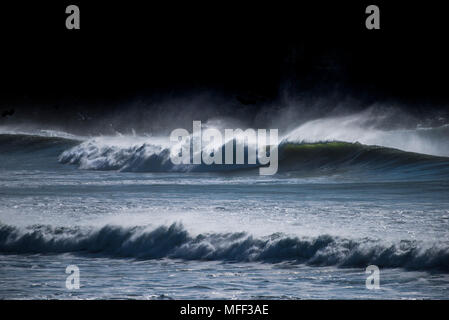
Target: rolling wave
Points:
(149, 154)
(175, 242)
(340, 157)
(33, 152)
(316, 158)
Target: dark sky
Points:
(248, 52)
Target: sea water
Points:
(135, 231)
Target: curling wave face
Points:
(299, 154)
(175, 242)
(150, 154)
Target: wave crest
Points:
(95, 155)
(303, 158)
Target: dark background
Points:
(250, 54)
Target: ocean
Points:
(137, 227)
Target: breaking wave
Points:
(325, 157)
(151, 154)
(176, 243)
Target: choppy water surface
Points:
(308, 232)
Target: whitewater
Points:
(346, 196)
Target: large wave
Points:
(176, 243)
(152, 154)
(344, 157)
(302, 158)
(34, 152)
